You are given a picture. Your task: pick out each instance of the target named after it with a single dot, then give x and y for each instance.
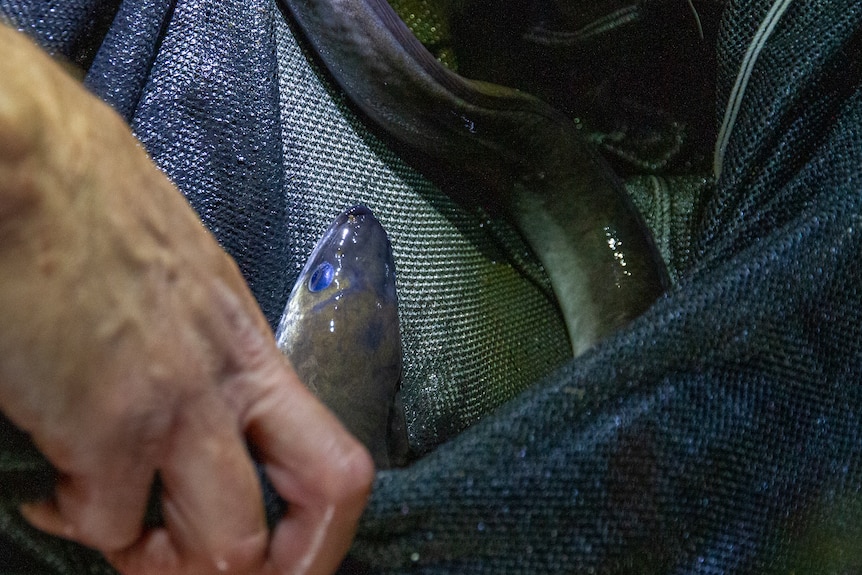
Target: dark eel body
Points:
(562, 197)
(340, 330)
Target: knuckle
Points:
(349, 475)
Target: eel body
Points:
(340, 330)
(540, 173)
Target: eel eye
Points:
(321, 277)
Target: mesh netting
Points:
(475, 329)
(720, 432)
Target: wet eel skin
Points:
(340, 330)
(540, 173)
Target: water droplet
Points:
(414, 557)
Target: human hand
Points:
(131, 346)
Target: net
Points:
(719, 432)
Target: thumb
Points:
(314, 463)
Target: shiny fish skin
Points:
(563, 198)
(340, 330)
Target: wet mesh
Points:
(718, 433)
(476, 328)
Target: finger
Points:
(326, 477)
(313, 462)
(102, 511)
(211, 500)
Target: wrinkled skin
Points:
(131, 346)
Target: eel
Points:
(340, 331)
(538, 171)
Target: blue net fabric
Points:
(720, 432)
(197, 83)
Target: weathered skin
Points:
(340, 330)
(550, 184)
